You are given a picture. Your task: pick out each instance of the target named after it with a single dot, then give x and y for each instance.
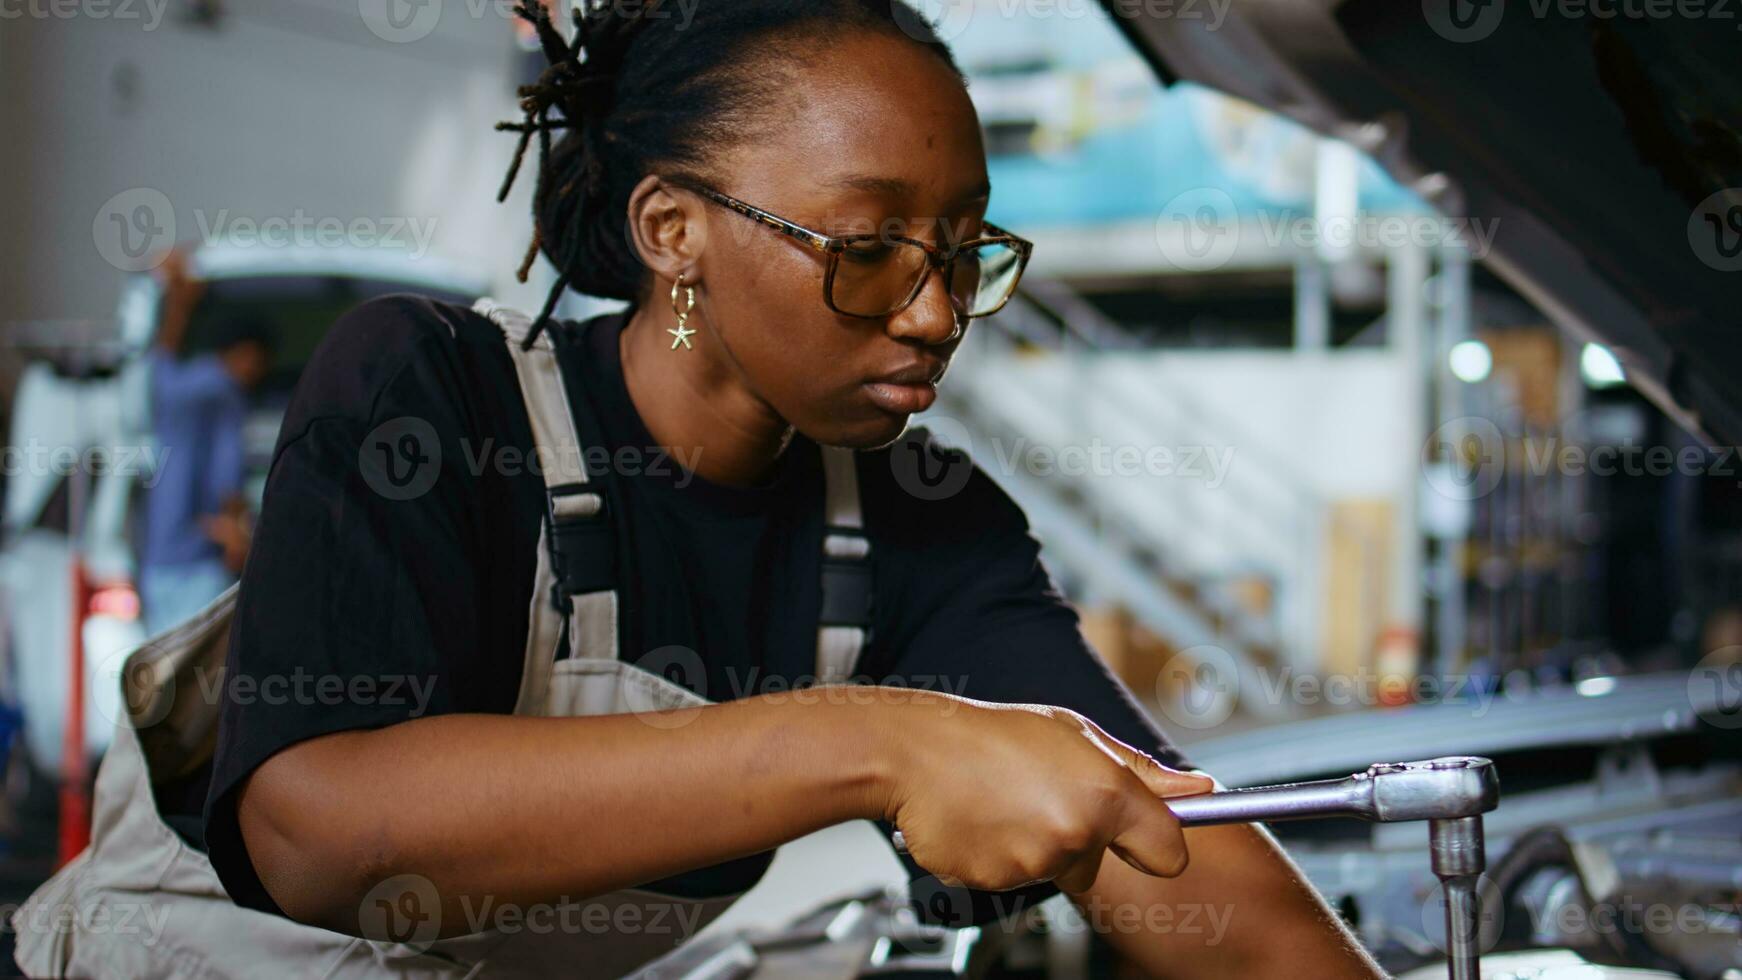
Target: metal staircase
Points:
(1047, 372)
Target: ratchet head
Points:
(1437, 789)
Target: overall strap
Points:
(577, 547)
(577, 553)
(845, 622)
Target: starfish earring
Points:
(682, 331)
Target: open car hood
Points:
(1606, 145)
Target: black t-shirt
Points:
(394, 557)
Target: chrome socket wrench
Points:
(1450, 793)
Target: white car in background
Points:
(89, 402)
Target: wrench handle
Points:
(1266, 804)
(1292, 801)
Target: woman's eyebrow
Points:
(902, 187)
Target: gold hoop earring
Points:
(682, 331)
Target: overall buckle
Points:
(847, 585)
(583, 550)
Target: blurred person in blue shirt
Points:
(197, 522)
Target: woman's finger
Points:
(1165, 782)
(1151, 839)
(1080, 877)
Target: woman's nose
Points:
(931, 318)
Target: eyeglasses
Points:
(881, 275)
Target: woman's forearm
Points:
(1242, 909)
(521, 810)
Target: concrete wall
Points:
(1339, 421)
(288, 109)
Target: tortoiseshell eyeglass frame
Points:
(939, 258)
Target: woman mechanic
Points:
(721, 153)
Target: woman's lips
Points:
(902, 399)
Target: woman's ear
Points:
(667, 227)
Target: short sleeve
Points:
(362, 603)
(981, 616)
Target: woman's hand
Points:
(182, 291)
(995, 796)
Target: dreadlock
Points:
(705, 78)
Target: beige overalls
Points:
(139, 903)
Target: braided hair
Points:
(657, 93)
